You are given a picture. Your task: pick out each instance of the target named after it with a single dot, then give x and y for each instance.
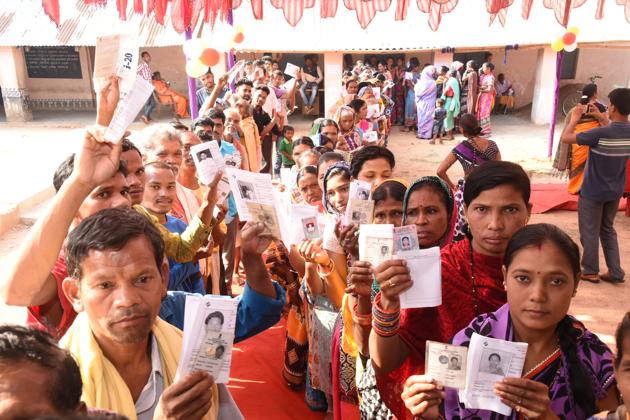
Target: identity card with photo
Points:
(446, 364)
(267, 215)
(360, 207)
(425, 269)
(208, 160)
(489, 361)
(249, 186)
(209, 327)
(406, 238)
(376, 243)
(304, 223)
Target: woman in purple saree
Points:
(426, 93)
(568, 372)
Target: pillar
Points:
(542, 103)
(13, 83)
(333, 70)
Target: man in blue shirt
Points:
(604, 180)
(256, 311)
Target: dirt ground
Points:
(599, 306)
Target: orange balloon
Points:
(209, 57)
(569, 38)
(239, 37)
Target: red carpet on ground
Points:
(256, 381)
(547, 197)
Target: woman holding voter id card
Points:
(567, 372)
(497, 205)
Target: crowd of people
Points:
(424, 98)
(132, 232)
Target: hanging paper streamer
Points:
(508, 48)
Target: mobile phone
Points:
(584, 100)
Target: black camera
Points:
(584, 100)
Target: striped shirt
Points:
(605, 173)
(144, 70)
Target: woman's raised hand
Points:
(393, 277)
(312, 251)
(360, 279)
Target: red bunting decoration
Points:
(137, 6)
(498, 8)
(51, 8)
(186, 13)
(435, 8)
(293, 10)
(328, 8)
(366, 9)
(562, 9)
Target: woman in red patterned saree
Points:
(497, 205)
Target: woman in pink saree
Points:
(485, 102)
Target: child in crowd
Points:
(438, 121)
(285, 146)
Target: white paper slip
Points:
(235, 70)
(374, 111)
(116, 55)
(289, 84)
(376, 243)
(267, 215)
(408, 75)
(425, 269)
(304, 223)
(291, 70)
(128, 108)
(406, 238)
(209, 326)
(370, 136)
(446, 364)
(489, 361)
(288, 178)
(377, 92)
(249, 186)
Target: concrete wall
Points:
(53, 89)
(610, 63)
(520, 70)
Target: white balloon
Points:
(570, 48)
(193, 48)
